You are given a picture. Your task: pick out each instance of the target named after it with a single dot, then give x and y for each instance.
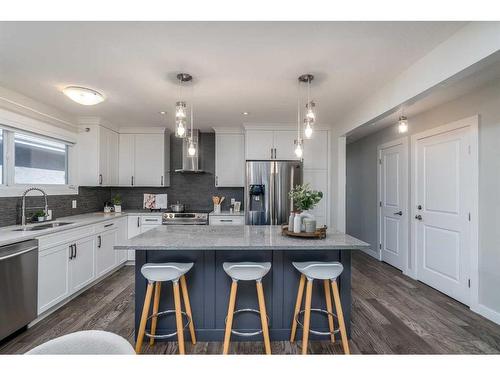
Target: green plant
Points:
(39, 213)
(304, 198)
(117, 200)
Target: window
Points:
(39, 161)
(1, 156)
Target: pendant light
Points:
(298, 142)
(310, 116)
(402, 123)
(181, 107)
(192, 147)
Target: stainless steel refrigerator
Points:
(267, 186)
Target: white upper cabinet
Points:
(270, 144)
(144, 159)
(259, 144)
(284, 146)
(126, 159)
(229, 159)
(316, 150)
(98, 156)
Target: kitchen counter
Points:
(208, 247)
(238, 237)
(9, 235)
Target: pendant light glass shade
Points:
(180, 128)
(298, 149)
(402, 124)
(310, 115)
(191, 149)
(180, 110)
(308, 130)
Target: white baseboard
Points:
(371, 252)
(488, 313)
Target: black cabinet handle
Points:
(418, 217)
(138, 222)
(100, 179)
(70, 252)
(99, 241)
(225, 221)
(74, 246)
(132, 180)
(161, 180)
(400, 213)
(109, 225)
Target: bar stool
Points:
(247, 271)
(328, 272)
(156, 273)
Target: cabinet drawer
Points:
(107, 225)
(64, 236)
(226, 220)
(151, 220)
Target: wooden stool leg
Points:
(156, 304)
(185, 297)
(229, 322)
(144, 318)
(340, 317)
(263, 317)
(307, 316)
(328, 298)
(298, 303)
(178, 317)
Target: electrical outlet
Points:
(73, 203)
(233, 200)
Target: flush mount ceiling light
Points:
(83, 95)
(245, 113)
(181, 107)
(310, 115)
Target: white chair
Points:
(85, 342)
(247, 271)
(156, 273)
(328, 272)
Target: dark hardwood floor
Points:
(392, 314)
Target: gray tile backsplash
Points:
(194, 190)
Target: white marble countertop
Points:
(9, 235)
(227, 213)
(234, 237)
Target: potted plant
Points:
(117, 202)
(304, 199)
(39, 216)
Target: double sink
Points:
(54, 224)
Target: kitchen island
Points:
(209, 246)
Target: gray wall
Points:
(362, 179)
(195, 190)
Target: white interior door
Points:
(393, 202)
(443, 170)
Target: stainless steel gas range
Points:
(185, 218)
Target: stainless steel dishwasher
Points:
(18, 286)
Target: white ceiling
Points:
(238, 66)
(478, 75)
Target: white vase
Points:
(297, 223)
(305, 214)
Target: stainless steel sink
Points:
(43, 226)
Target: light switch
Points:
(73, 203)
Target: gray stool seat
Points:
(85, 342)
(247, 271)
(165, 271)
(319, 270)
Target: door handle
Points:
(400, 213)
(99, 241)
(100, 179)
(70, 252)
(418, 217)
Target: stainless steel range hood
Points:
(190, 164)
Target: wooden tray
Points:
(319, 234)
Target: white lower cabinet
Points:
(82, 263)
(226, 220)
(53, 276)
(70, 260)
(105, 254)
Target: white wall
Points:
(362, 181)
